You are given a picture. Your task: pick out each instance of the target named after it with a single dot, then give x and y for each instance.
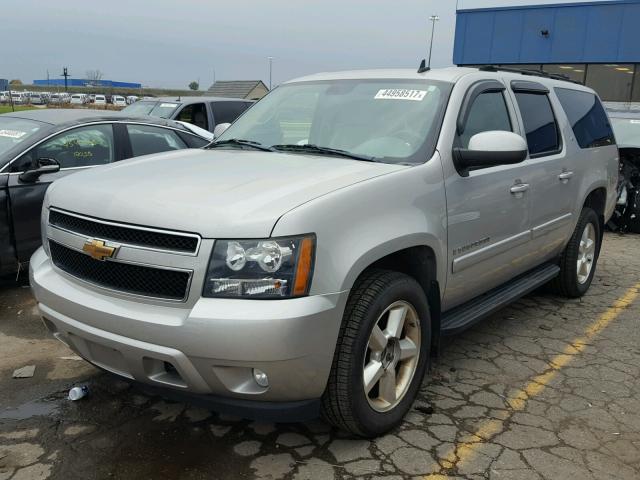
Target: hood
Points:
(216, 193)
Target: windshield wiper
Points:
(242, 143)
(310, 148)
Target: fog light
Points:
(260, 377)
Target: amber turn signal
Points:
(305, 265)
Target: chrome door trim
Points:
(472, 258)
(551, 225)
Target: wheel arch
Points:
(597, 201)
(419, 262)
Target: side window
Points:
(227, 112)
(488, 112)
(146, 140)
(80, 147)
(196, 113)
(541, 128)
(587, 118)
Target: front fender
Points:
(359, 224)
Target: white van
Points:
(119, 101)
(100, 100)
(78, 99)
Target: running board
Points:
(467, 314)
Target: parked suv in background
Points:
(313, 256)
(204, 112)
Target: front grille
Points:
(129, 235)
(124, 277)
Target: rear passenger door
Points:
(488, 209)
(148, 139)
(553, 188)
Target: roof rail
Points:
(523, 71)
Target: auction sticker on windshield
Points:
(12, 133)
(400, 94)
(168, 105)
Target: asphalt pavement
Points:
(545, 389)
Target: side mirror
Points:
(489, 149)
(220, 129)
(41, 167)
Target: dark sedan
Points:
(40, 146)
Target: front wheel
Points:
(578, 262)
(381, 355)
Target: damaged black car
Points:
(625, 120)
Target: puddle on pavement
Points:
(28, 410)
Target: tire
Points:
(345, 402)
(569, 283)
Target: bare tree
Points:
(94, 76)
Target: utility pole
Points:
(270, 71)
(65, 74)
(433, 19)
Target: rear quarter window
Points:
(587, 117)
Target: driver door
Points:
(75, 150)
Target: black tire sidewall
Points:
(587, 216)
(371, 422)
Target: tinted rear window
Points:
(540, 124)
(227, 112)
(587, 118)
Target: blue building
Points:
(4, 84)
(79, 82)
(595, 43)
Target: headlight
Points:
(270, 268)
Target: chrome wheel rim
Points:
(391, 356)
(586, 253)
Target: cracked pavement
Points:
(544, 389)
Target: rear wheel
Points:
(578, 262)
(381, 355)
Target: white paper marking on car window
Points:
(400, 94)
(12, 133)
(168, 105)
(635, 121)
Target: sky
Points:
(169, 43)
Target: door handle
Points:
(519, 188)
(565, 176)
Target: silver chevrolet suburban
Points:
(311, 259)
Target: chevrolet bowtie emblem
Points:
(98, 250)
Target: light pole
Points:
(270, 71)
(433, 19)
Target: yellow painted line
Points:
(517, 401)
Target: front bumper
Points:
(208, 348)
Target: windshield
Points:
(627, 131)
(14, 131)
(395, 121)
(153, 108)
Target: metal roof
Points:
(234, 88)
(188, 100)
(451, 74)
(60, 116)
